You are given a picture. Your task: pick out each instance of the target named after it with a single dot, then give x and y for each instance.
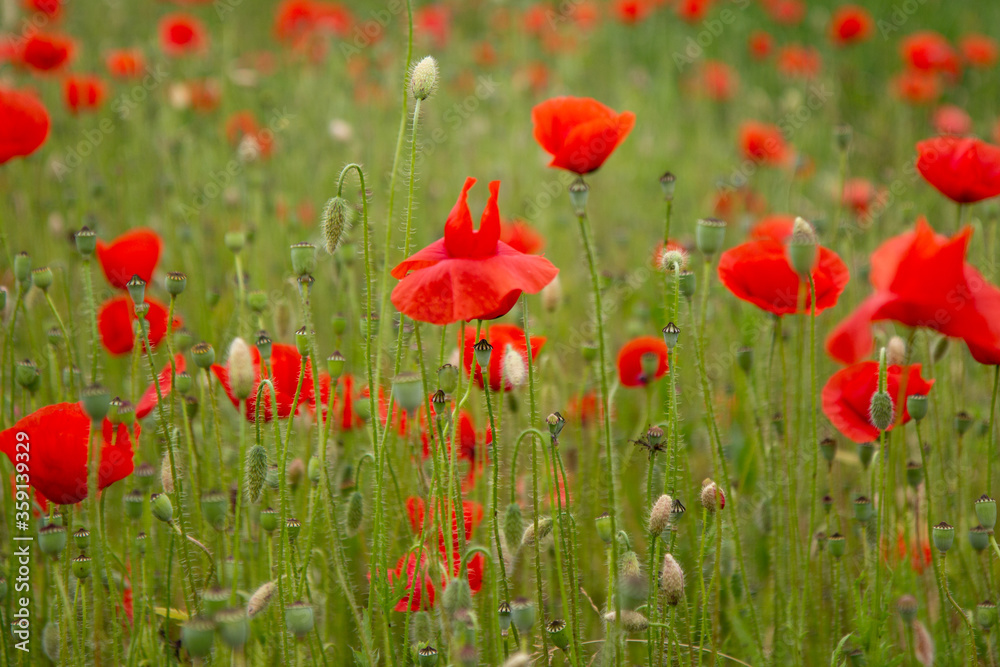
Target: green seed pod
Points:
(579, 192)
(214, 600)
(52, 540)
(268, 519)
(121, 412)
(145, 474)
(134, 502)
(671, 333)
(302, 341)
(866, 452)
(96, 402)
(235, 241)
(709, 235)
(513, 525)
(337, 218)
(827, 503)
(182, 340)
(483, 352)
(203, 355)
(86, 241)
(986, 511)
(140, 543)
(257, 300)
(264, 345)
(51, 641)
(408, 391)
(303, 258)
(589, 352)
(943, 535)
(457, 595)
(175, 282)
(667, 184)
(914, 474)
(234, 627)
(197, 636)
(427, 656)
(256, 472)
(828, 448)
(863, 510)
(963, 420)
(136, 287)
(503, 616)
(986, 614)
(25, 372)
(161, 507)
(842, 135)
(421, 628)
(42, 278)
(979, 537)
(603, 525)
(522, 613)
(803, 249)
(557, 633)
(335, 365)
(213, 508)
(355, 512)
(293, 527)
(907, 607)
(314, 470)
(299, 618)
(448, 379)
(881, 411)
(81, 566)
(688, 284)
(744, 359)
(81, 538)
(54, 337)
(22, 267)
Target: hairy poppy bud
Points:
(895, 351)
(944, 536)
(659, 516)
(557, 633)
(355, 512)
(314, 470)
(197, 636)
(513, 524)
(256, 472)
(671, 333)
(175, 283)
(916, 405)
(552, 295)
(837, 545)
(986, 511)
(234, 627)
(712, 497)
(424, 78)
(907, 607)
(667, 184)
(519, 659)
(632, 621)
(303, 258)
(513, 368)
(167, 474)
(161, 507)
(671, 580)
(261, 597)
(544, 530)
(709, 235)
(863, 510)
(42, 278)
(86, 241)
(522, 613)
(633, 587)
(457, 595)
(337, 217)
(880, 410)
(579, 192)
(803, 249)
(203, 355)
(408, 391)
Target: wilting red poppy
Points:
(149, 399)
(115, 320)
(285, 365)
(950, 119)
(979, 50)
(24, 124)
(83, 92)
(764, 143)
(51, 8)
(58, 438)
(965, 170)
(136, 252)
(242, 126)
(850, 24)
(760, 44)
(928, 50)
(758, 272)
(182, 34)
(642, 360)
(847, 395)
(917, 87)
(126, 63)
(799, 61)
(45, 52)
(469, 274)
(500, 336)
(921, 279)
(522, 237)
(578, 132)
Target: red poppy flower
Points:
(950, 119)
(917, 87)
(764, 143)
(979, 50)
(182, 34)
(500, 336)
(135, 252)
(584, 409)
(758, 272)
(731, 203)
(928, 50)
(126, 63)
(850, 24)
(631, 361)
(522, 237)
(776, 226)
(24, 124)
(285, 365)
(51, 8)
(921, 279)
(83, 92)
(472, 516)
(468, 274)
(785, 12)
(149, 399)
(116, 318)
(693, 10)
(242, 126)
(798, 61)
(432, 24)
(859, 195)
(965, 170)
(418, 588)
(580, 133)
(344, 415)
(760, 44)
(847, 395)
(58, 436)
(719, 81)
(631, 12)
(45, 52)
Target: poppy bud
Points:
(880, 410)
(213, 508)
(167, 474)
(544, 530)
(22, 267)
(633, 586)
(203, 355)
(659, 516)
(557, 633)
(944, 536)
(632, 621)
(25, 371)
(916, 405)
(197, 636)
(145, 474)
(803, 250)
(519, 659)
(235, 241)
(355, 512)
(552, 295)
(979, 537)
(52, 539)
(688, 284)
(483, 352)
(134, 502)
(914, 474)
(175, 283)
(579, 191)
(895, 354)
(457, 595)
(866, 452)
(513, 524)
(709, 235)
(299, 618)
(671, 333)
(161, 506)
(556, 423)
(240, 365)
(837, 545)
(424, 78)
(843, 133)
(261, 597)
(81, 538)
(522, 613)
(86, 241)
(335, 365)
(264, 345)
(986, 614)
(986, 511)
(427, 656)
(673, 261)
(907, 606)
(136, 289)
(42, 278)
(81, 566)
(296, 471)
(963, 420)
(96, 402)
(303, 258)
(667, 183)
(408, 391)
(712, 496)
(513, 368)
(337, 216)
(314, 470)
(603, 524)
(257, 300)
(940, 348)
(234, 627)
(863, 510)
(293, 527)
(671, 580)
(828, 448)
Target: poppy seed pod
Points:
(140, 543)
(161, 507)
(677, 511)
(234, 627)
(337, 217)
(447, 376)
(175, 282)
(203, 355)
(842, 134)
(197, 636)
(136, 287)
(408, 391)
(803, 249)
(557, 633)
(268, 519)
(81, 538)
(986, 614)
(483, 352)
(293, 527)
(866, 452)
(235, 241)
(688, 284)
(914, 474)
(671, 333)
(86, 241)
(42, 278)
(916, 405)
(671, 580)
(121, 411)
(504, 618)
(979, 537)
(943, 535)
(963, 420)
(667, 184)
(603, 524)
(299, 618)
(214, 600)
(257, 300)
(659, 515)
(96, 402)
(52, 539)
(880, 410)
(828, 448)
(863, 509)
(522, 613)
(709, 235)
(264, 345)
(907, 606)
(261, 597)
(579, 192)
(22, 267)
(837, 545)
(424, 78)
(81, 566)
(427, 656)
(25, 371)
(303, 258)
(986, 511)
(134, 503)
(335, 365)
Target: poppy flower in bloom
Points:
(51, 8)
(584, 409)
(776, 226)
(242, 127)
(126, 63)
(693, 10)
(928, 50)
(503, 368)
(181, 35)
(799, 61)
(764, 143)
(950, 119)
(149, 399)
(578, 132)
(344, 397)
(135, 252)
(285, 366)
(115, 321)
(917, 87)
(469, 274)
(921, 279)
(24, 124)
(45, 52)
(83, 92)
(979, 50)
(642, 360)
(719, 81)
(965, 170)
(785, 12)
(758, 272)
(59, 436)
(298, 20)
(522, 237)
(433, 24)
(847, 395)
(850, 24)
(418, 587)
(631, 12)
(859, 195)
(760, 44)
(730, 203)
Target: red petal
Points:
(134, 253)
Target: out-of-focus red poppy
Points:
(979, 50)
(928, 50)
(719, 81)
(285, 367)
(764, 144)
(785, 12)
(584, 409)
(469, 449)
(45, 52)
(760, 44)
(24, 124)
(850, 24)
(917, 87)
(344, 397)
(631, 12)
(578, 132)
(521, 236)
(503, 338)
(965, 170)
(50, 8)
(797, 61)
(859, 195)
(776, 226)
(296, 20)
(126, 63)
(586, 15)
(242, 127)
(730, 203)
(469, 274)
(58, 436)
(135, 252)
(921, 279)
(418, 587)
(950, 119)
(116, 318)
(149, 399)
(182, 35)
(758, 272)
(203, 94)
(641, 361)
(693, 10)
(83, 92)
(847, 395)
(432, 23)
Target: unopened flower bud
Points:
(552, 295)
(240, 365)
(355, 512)
(261, 597)
(671, 580)
(907, 607)
(162, 508)
(659, 516)
(895, 351)
(880, 410)
(632, 621)
(424, 78)
(256, 472)
(712, 497)
(337, 218)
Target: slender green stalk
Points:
(69, 341)
(991, 442)
(88, 296)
